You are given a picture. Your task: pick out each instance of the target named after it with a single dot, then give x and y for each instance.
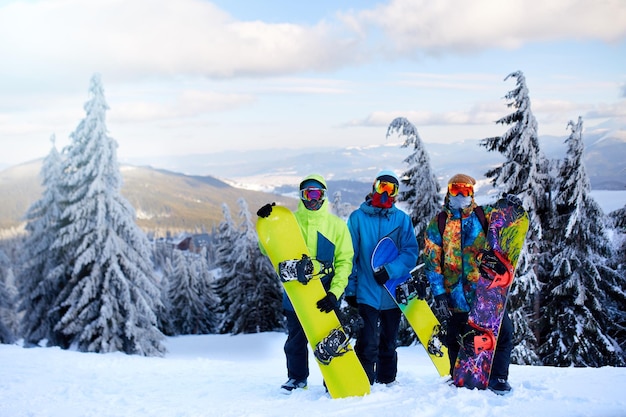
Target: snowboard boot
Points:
(499, 386)
(292, 384)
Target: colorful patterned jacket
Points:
(462, 239)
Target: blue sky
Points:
(192, 76)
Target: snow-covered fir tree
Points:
(618, 221)
(421, 189)
(618, 263)
(109, 299)
(8, 294)
(523, 173)
(339, 208)
(192, 303)
(224, 238)
(164, 318)
(249, 289)
(42, 266)
(584, 296)
(162, 250)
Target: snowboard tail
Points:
(282, 240)
(409, 294)
(506, 235)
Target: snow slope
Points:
(223, 375)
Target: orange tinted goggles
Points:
(390, 188)
(465, 190)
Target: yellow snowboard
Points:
(280, 236)
(415, 309)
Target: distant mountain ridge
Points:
(186, 192)
(605, 160)
(164, 201)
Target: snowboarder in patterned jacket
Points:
(376, 218)
(328, 240)
(452, 270)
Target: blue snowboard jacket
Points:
(367, 226)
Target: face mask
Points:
(313, 197)
(460, 202)
(313, 205)
(382, 200)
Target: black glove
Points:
(515, 203)
(328, 303)
(266, 210)
(513, 200)
(440, 308)
(381, 276)
(351, 300)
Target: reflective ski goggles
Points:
(312, 194)
(457, 188)
(381, 187)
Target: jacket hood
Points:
(315, 177)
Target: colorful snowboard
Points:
(415, 309)
(280, 236)
(505, 238)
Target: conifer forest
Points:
(84, 276)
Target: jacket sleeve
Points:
(354, 236)
(433, 251)
(408, 250)
(344, 254)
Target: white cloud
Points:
(188, 104)
(132, 38)
(442, 26)
(475, 116)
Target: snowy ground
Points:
(222, 375)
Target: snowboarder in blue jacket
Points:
(376, 218)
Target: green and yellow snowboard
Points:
(282, 240)
(415, 308)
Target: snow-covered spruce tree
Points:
(109, 300)
(161, 251)
(618, 221)
(163, 313)
(249, 289)
(192, 301)
(224, 238)
(42, 271)
(584, 295)
(421, 189)
(7, 300)
(339, 208)
(523, 173)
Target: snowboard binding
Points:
(332, 346)
(296, 269)
(476, 339)
(494, 267)
(413, 287)
(437, 340)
